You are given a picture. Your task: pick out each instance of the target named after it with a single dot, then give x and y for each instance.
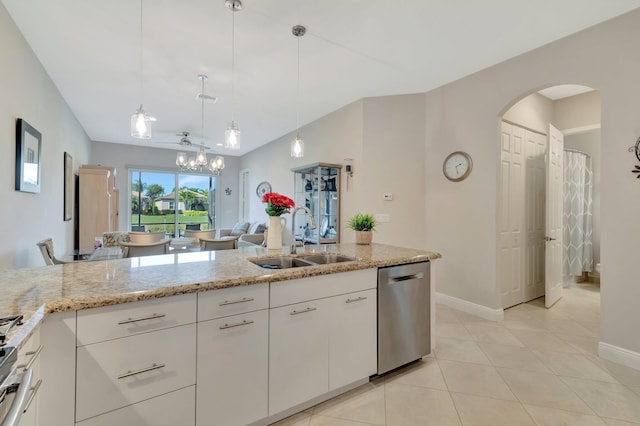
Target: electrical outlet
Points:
(388, 197)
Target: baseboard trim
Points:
(619, 355)
(470, 307)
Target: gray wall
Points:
(123, 157)
(385, 139)
(464, 115)
(28, 93)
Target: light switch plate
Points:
(388, 197)
(383, 217)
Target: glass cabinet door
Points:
(317, 187)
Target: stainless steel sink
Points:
(326, 258)
(281, 262)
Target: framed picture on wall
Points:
(68, 186)
(28, 157)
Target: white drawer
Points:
(127, 319)
(300, 290)
(121, 372)
(171, 409)
(234, 300)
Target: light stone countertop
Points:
(36, 292)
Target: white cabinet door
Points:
(352, 338)
(298, 354)
(233, 361)
(28, 357)
(120, 372)
(171, 409)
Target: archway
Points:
(524, 124)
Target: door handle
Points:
(549, 239)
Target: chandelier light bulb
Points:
(181, 160)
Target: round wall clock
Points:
(263, 188)
(457, 166)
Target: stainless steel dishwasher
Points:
(404, 317)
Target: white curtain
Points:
(577, 188)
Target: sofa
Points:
(248, 233)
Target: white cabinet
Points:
(232, 301)
(352, 338)
(128, 319)
(324, 342)
(29, 357)
(120, 372)
(97, 203)
(298, 354)
(233, 369)
(171, 409)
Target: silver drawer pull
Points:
(406, 278)
(144, 370)
(34, 391)
(150, 317)
(305, 310)
(238, 324)
(233, 302)
(34, 355)
(357, 299)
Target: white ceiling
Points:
(564, 91)
(353, 49)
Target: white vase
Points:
(274, 237)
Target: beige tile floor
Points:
(536, 367)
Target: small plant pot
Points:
(364, 237)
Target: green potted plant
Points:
(364, 224)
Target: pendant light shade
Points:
(297, 144)
(140, 121)
(232, 135)
(297, 147)
(140, 124)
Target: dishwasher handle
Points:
(12, 418)
(393, 280)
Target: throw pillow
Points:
(240, 228)
(260, 228)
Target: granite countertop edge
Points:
(74, 303)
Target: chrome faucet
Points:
(312, 223)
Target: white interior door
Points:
(553, 222)
(511, 215)
(535, 149)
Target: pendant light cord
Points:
(141, 54)
(298, 92)
(233, 63)
(202, 78)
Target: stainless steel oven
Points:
(15, 387)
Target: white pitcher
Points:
(274, 237)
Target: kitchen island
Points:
(67, 306)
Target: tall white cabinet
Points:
(97, 203)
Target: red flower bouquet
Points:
(277, 204)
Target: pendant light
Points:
(140, 121)
(297, 144)
(201, 158)
(232, 135)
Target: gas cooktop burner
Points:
(12, 321)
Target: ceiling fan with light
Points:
(185, 141)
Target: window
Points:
(157, 206)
